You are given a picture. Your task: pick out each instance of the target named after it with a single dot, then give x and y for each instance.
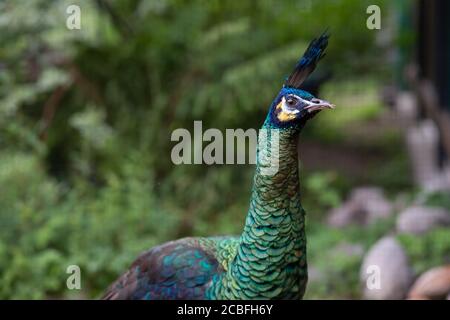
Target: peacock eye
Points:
(291, 101)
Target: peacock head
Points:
(294, 106)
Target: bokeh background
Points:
(86, 117)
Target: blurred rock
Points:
(406, 107)
(364, 206)
(433, 284)
(349, 249)
(417, 298)
(387, 260)
(423, 147)
(420, 219)
(439, 182)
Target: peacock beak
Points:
(318, 104)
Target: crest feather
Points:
(307, 64)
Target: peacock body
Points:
(268, 260)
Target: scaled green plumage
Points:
(269, 259)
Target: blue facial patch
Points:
(298, 92)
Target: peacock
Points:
(268, 260)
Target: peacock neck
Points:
(270, 261)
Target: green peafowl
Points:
(268, 260)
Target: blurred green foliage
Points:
(86, 117)
(429, 250)
(433, 248)
(337, 269)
